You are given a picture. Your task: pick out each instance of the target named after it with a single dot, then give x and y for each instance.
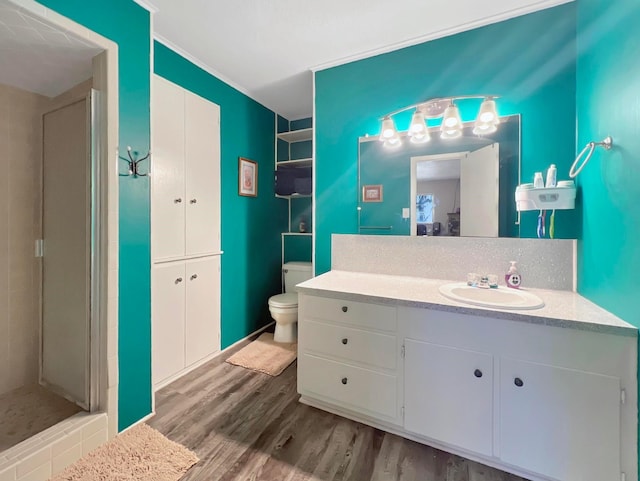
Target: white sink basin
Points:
(500, 298)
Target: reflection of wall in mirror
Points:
(446, 195)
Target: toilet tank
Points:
(295, 273)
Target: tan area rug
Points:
(140, 454)
(265, 355)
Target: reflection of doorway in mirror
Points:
(424, 208)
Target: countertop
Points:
(562, 308)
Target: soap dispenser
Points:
(512, 278)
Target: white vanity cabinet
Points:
(448, 395)
(562, 423)
(546, 402)
(348, 356)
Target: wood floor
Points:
(245, 425)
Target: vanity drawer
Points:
(372, 316)
(366, 347)
(355, 388)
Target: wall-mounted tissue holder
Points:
(561, 197)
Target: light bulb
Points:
(388, 129)
(488, 113)
(451, 127)
(418, 131)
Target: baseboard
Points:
(205, 360)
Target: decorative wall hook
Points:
(134, 163)
(607, 143)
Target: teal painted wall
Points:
(251, 226)
(534, 74)
(608, 103)
(128, 24)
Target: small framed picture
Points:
(247, 177)
(372, 193)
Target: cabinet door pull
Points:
(518, 382)
(193, 201)
(345, 341)
(194, 276)
(178, 280)
(177, 201)
(477, 373)
(345, 308)
(344, 380)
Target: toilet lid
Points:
(284, 300)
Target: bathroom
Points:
(348, 105)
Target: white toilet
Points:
(284, 307)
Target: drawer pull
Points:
(193, 201)
(345, 308)
(345, 341)
(177, 201)
(178, 280)
(344, 380)
(194, 277)
(477, 373)
(518, 382)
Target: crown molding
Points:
(148, 6)
(516, 12)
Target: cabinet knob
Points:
(178, 280)
(345, 341)
(344, 380)
(193, 201)
(345, 308)
(518, 382)
(477, 373)
(194, 276)
(177, 201)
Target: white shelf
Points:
(294, 196)
(546, 199)
(296, 135)
(296, 233)
(296, 162)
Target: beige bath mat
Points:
(265, 355)
(140, 454)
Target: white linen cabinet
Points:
(185, 230)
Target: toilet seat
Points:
(283, 301)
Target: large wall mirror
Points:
(455, 187)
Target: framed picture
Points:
(247, 177)
(372, 193)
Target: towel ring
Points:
(607, 143)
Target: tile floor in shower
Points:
(28, 410)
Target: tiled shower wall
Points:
(20, 221)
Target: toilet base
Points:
(286, 332)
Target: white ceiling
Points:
(266, 48)
(39, 57)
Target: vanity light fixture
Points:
(445, 108)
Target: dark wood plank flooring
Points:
(246, 425)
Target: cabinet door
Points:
(449, 395)
(168, 164)
(203, 308)
(202, 150)
(559, 423)
(168, 307)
